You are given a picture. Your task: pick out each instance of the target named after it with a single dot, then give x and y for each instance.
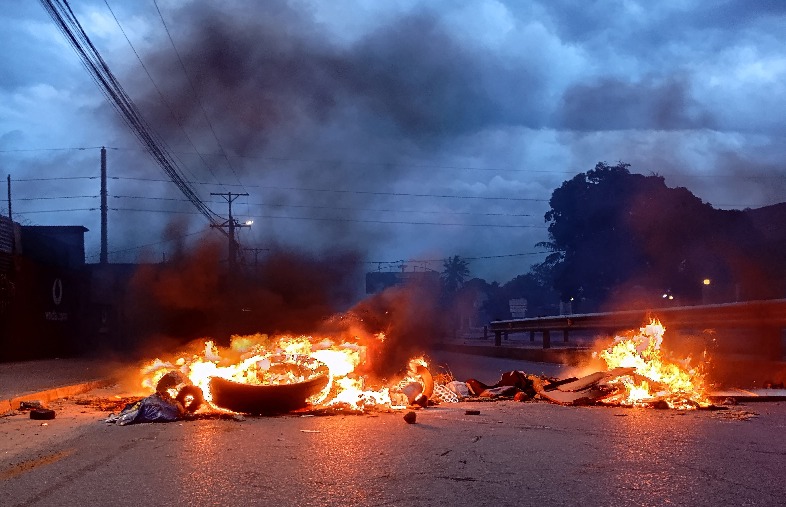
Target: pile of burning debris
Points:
(266, 376)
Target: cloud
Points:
(613, 104)
(331, 115)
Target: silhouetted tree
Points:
(617, 236)
(454, 271)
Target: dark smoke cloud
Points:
(288, 102)
(387, 97)
(271, 70)
(614, 104)
(410, 318)
(259, 74)
(286, 292)
(192, 296)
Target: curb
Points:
(52, 394)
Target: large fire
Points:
(655, 378)
(285, 360)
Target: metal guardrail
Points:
(767, 317)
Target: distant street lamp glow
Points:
(249, 222)
(706, 281)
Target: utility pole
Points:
(103, 259)
(11, 219)
(231, 224)
(10, 216)
(256, 253)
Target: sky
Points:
(403, 130)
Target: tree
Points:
(455, 271)
(616, 236)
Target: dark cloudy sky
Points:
(406, 130)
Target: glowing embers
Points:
(645, 377)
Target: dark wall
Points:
(40, 316)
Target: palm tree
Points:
(455, 271)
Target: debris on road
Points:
(410, 417)
(158, 407)
(42, 414)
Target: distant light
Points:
(671, 297)
(706, 281)
(249, 222)
(665, 296)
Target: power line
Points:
(364, 192)
(156, 211)
(396, 222)
(153, 244)
(193, 90)
(352, 220)
(482, 257)
(56, 149)
(57, 178)
(52, 211)
(61, 197)
(341, 208)
(160, 93)
(66, 21)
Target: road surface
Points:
(512, 453)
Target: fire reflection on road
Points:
(655, 455)
(337, 461)
(203, 460)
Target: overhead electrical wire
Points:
(160, 93)
(65, 19)
(365, 192)
(196, 95)
(60, 197)
(203, 231)
(352, 220)
(53, 211)
(58, 178)
(340, 208)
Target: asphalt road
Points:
(512, 453)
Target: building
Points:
(42, 290)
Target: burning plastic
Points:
(651, 377)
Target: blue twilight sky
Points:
(407, 130)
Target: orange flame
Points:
(655, 378)
(264, 360)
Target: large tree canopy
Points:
(612, 231)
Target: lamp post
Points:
(705, 291)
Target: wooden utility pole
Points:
(103, 259)
(256, 253)
(231, 224)
(10, 216)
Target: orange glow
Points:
(264, 360)
(655, 378)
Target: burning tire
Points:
(265, 399)
(191, 397)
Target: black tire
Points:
(196, 395)
(42, 414)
